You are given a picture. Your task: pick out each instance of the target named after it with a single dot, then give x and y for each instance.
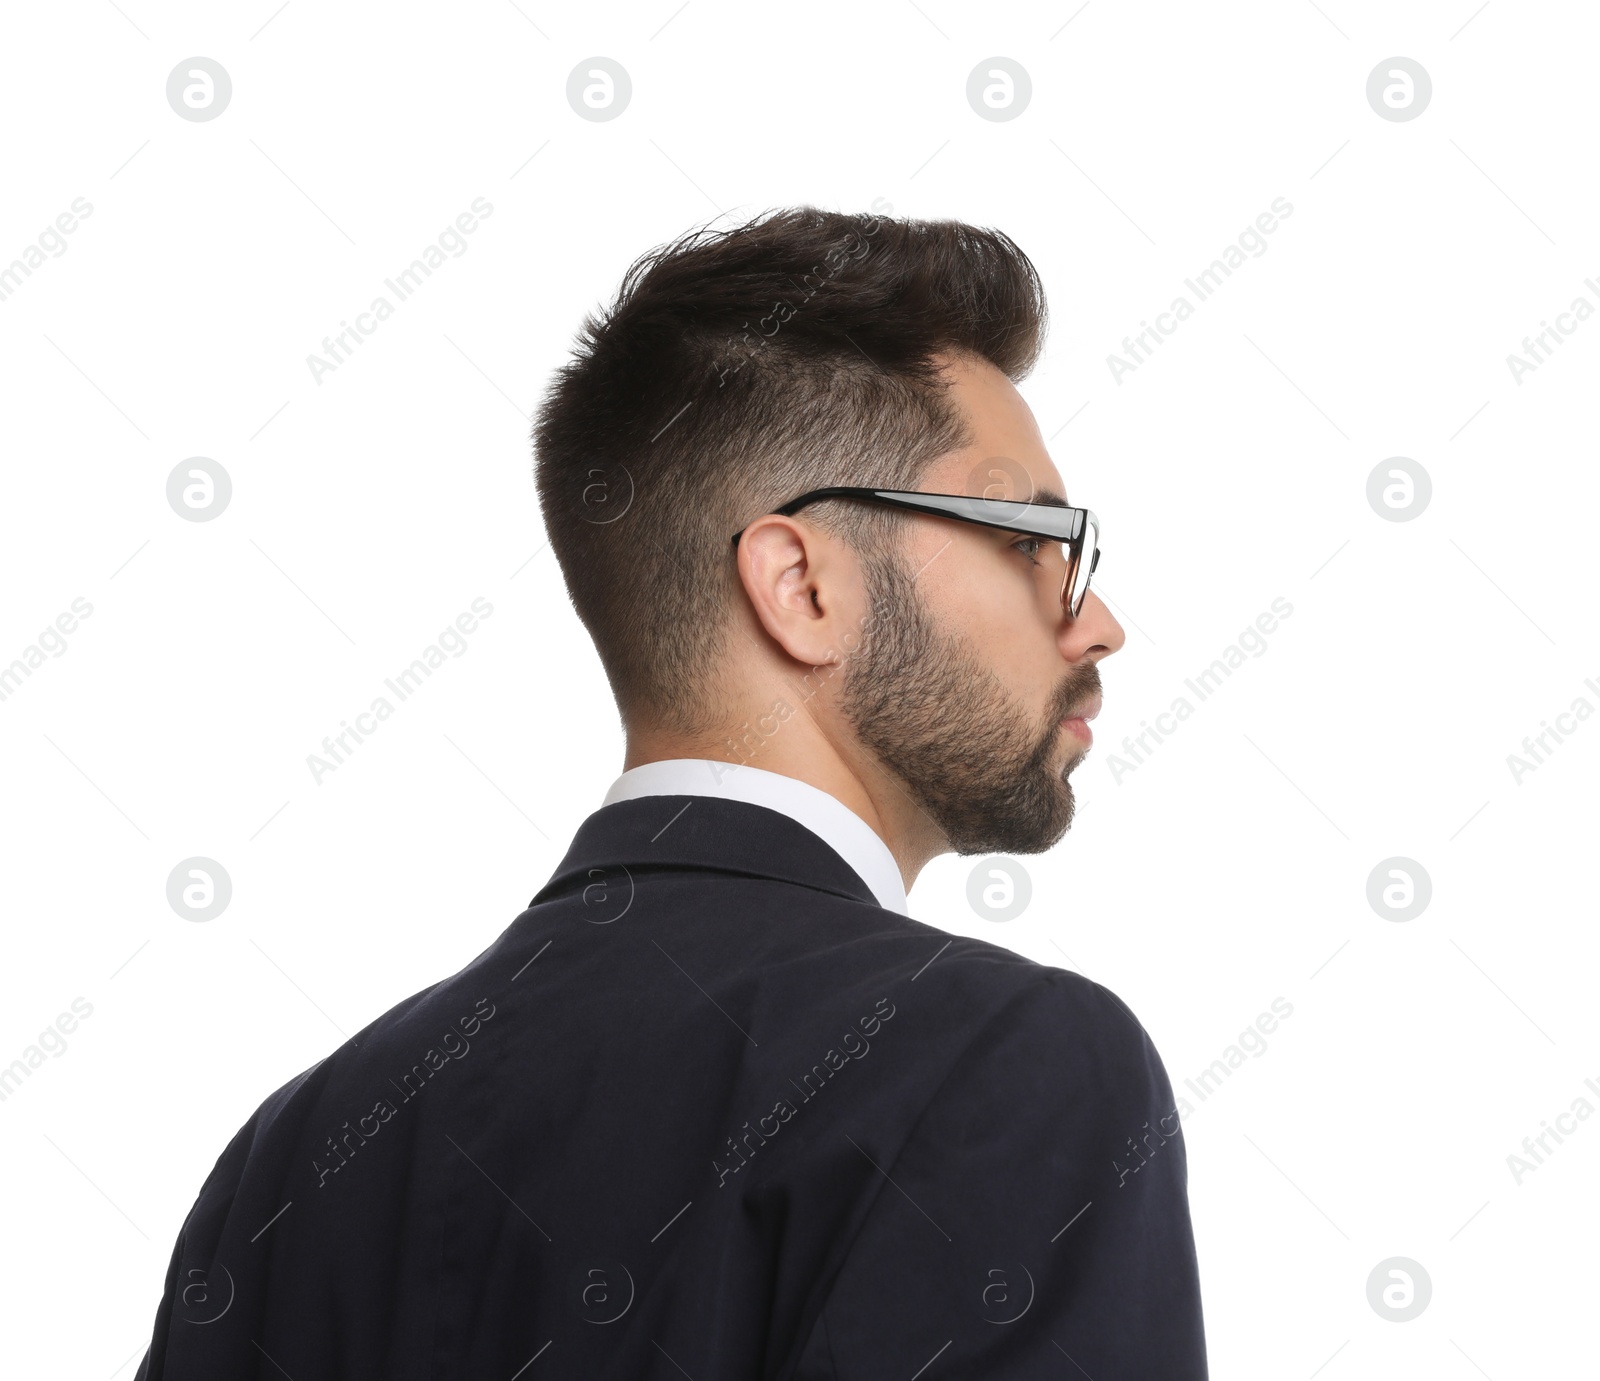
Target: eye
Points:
(1029, 547)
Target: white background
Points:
(370, 509)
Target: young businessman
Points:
(714, 1105)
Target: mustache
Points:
(1076, 692)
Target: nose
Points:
(1094, 634)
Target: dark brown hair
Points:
(735, 370)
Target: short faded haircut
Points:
(736, 369)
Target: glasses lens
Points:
(1087, 554)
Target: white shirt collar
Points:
(827, 817)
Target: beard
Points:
(981, 765)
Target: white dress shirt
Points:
(827, 817)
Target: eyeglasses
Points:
(1078, 528)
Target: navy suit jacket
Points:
(705, 1109)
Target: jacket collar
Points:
(825, 815)
(701, 832)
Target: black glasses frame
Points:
(1077, 527)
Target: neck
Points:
(803, 748)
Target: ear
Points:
(804, 586)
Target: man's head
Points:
(739, 369)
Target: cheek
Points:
(999, 613)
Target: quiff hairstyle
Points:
(734, 370)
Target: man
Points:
(714, 1105)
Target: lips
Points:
(1078, 725)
